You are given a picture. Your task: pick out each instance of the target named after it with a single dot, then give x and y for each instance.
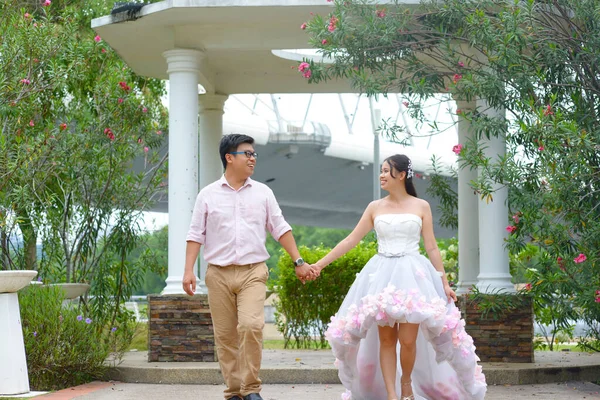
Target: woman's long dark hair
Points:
(401, 163)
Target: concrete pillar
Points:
(494, 271)
(468, 217)
(13, 365)
(210, 113)
(183, 69)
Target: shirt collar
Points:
(223, 182)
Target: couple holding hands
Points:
(400, 300)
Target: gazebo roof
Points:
(238, 38)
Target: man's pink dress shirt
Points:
(232, 224)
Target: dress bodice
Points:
(398, 234)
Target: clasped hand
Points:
(307, 272)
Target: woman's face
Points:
(387, 181)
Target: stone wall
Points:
(180, 328)
(507, 337)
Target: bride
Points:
(401, 300)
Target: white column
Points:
(210, 112)
(468, 218)
(183, 69)
(494, 272)
(13, 365)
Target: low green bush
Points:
(65, 348)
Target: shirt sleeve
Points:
(276, 224)
(197, 231)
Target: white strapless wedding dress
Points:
(399, 285)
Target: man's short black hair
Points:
(230, 143)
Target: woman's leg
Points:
(407, 335)
(388, 339)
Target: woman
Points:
(401, 299)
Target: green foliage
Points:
(497, 304)
(533, 59)
(304, 311)
(80, 156)
(64, 348)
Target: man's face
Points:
(240, 163)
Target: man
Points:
(231, 217)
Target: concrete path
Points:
(132, 391)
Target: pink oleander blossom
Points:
(380, 13)
(97, 39)
(304, 66)
(580, 258)
(511, 229)
(46, 3)
(303, 26)
(461, 64)
(457, 148)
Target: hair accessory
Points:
(409, 170)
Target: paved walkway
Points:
(132, 391)
(316, 367)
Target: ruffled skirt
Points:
(392, 290)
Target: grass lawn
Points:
(140, 340)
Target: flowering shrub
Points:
(64, 347)
(517, 58)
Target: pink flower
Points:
(580, 258)
(307, 74)
(109, 134)
(457, 148)
(511, 229)
(46, 3)
(333, 23)
(347, 395)
(303, 26)
(528, 286)
(25, 81)
(548, 110)
(456, 78)
(516, 218)
(140, 141)
(405, 104)
(145, 110)
(458, 111)
(120, 101)
(380, 13)
(146, 149)
(597, 300)
(124, 86)
(97, 39)
(541, 148)
(324, 41)
(461, 64)
(103, 50)
(304, 66)
(597, 292)
(159, 132)
(62, 126)
(31, 123)
(27, 15)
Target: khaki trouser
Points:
(236, 296)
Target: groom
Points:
(230, 219)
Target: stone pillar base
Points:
(180, 329)
(500, 337)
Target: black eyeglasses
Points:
(248, 153)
